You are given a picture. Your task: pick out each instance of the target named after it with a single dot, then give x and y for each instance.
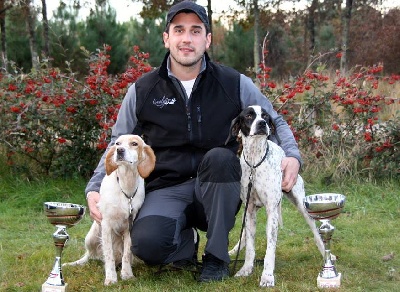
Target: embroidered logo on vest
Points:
(163, 101)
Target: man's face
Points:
(187, 39)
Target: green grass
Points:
(368, 229)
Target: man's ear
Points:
(166, 40)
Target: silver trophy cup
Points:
(325, 207)
(62, 215)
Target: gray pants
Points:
(162, 232)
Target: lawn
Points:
(367, 230)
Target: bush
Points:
(53, 124)
(338, 121)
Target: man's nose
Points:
(187, 36)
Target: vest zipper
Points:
(199, 121)
(189, 117)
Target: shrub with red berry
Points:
(338, 121)
(52, 123)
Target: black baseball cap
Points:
(188, 6)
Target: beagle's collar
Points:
(126, 195)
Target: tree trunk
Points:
(30, 27)
(45, 21)
(209, 13)
(256, 48)
(345, 35)
(311, 29)
(3, 36)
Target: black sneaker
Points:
(214, 269)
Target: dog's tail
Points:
(79, 262)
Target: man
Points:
(183, 110)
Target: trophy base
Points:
(52, 288)
(329, 282)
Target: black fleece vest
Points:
(181, 131)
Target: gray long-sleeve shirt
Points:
(249, 95)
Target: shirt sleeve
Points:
(125, 124)
(283, 136)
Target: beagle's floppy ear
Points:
(234, 129)
(147, 164)
(109, 162)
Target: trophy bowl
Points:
(326, 206)
(67, 214)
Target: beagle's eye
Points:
(248, 116)
(134, 144)
(118, 143)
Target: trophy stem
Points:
(60, 237)
(328, 277)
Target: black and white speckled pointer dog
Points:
(261, 165)
(127, 163)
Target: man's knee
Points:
(220, 165)
(152, 239)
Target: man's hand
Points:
(93, 199)
(290, 168)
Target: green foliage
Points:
(326, 38)
(278, 44)
(338, 120)
(148, 36)
(102, 28)
(50, 123)
(372, 36)
(237, 48)
(17, 46)
(65, 50)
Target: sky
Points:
(125, 9)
